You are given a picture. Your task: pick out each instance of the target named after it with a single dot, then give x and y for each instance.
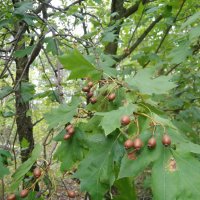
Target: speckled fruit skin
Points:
(138, 143)
(128, 144)
(93, 100)
(125, 120)
(152, 143)
(90, 84)
(11, 197)
(37, 172)
(71, 194)
(111, 96)
(24, 193)
(166, 140)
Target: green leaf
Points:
(63, 114)
(27, 91)
(194, 33)
(25, 167)
(108, 37)
(22, 7)
(96, 172)
(174, 169)
(70, 151)
(144, 82)
(115, 117)
(51, 45)
(24, 52)
(79, 66)
(5, 91)
(125, 189)
(4, 155)
(191, 19)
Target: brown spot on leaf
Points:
(172, 167)
(132, 156)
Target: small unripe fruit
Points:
(125, 120)
(86, 89)
(131, 155)
(71, 194)
(111, 96)
(166, 140)
(90, 84)
(68, 127)
(137, 143)
(11, 197)
(89, 94)
(152, 143)
(37, 172)
(128, 144)
(93, 100)
(66, 136)
(71, 131)
(24, 193)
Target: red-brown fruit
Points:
(93, 100)
(66, 136)
(90, 84)
(85, 89)
(111, 96)
(152, 143)
(68, 127)
(166, 140)
(128, 144)
(37, 172)
(11, 197)
(71, 194)
(89, 94)
(132, 156)
(137, 143)
(24, 193)
(125, 120)
(71, 131)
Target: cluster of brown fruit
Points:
(89, 93)
(137, 143)
(69, 131)
(24, 193)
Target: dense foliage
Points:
(107, 90)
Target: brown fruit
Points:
(93, 100)
(152, 143)
(68, 127)
(71, 194)
(125, 120)
(111, 96)
(128, 144)
(11, 197)
(24, 193)
(90, 84)
(137, 143)
(166, 140)
(86, 89)
(89, 94)
(66, 136)
(132, 156)
(71, 131)
(37, 172)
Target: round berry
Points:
(71, 194)
(71, 131)
(89, 94)
(11, 197)
(68, 127)
(37, 172)
(125, 120)
(128, 144)
(137, 143)
(90, 84)
(152, 143)
(93, 100)
(86, 89)
(24, 193)
(66, 136)
(111, 96)
(166, 140)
